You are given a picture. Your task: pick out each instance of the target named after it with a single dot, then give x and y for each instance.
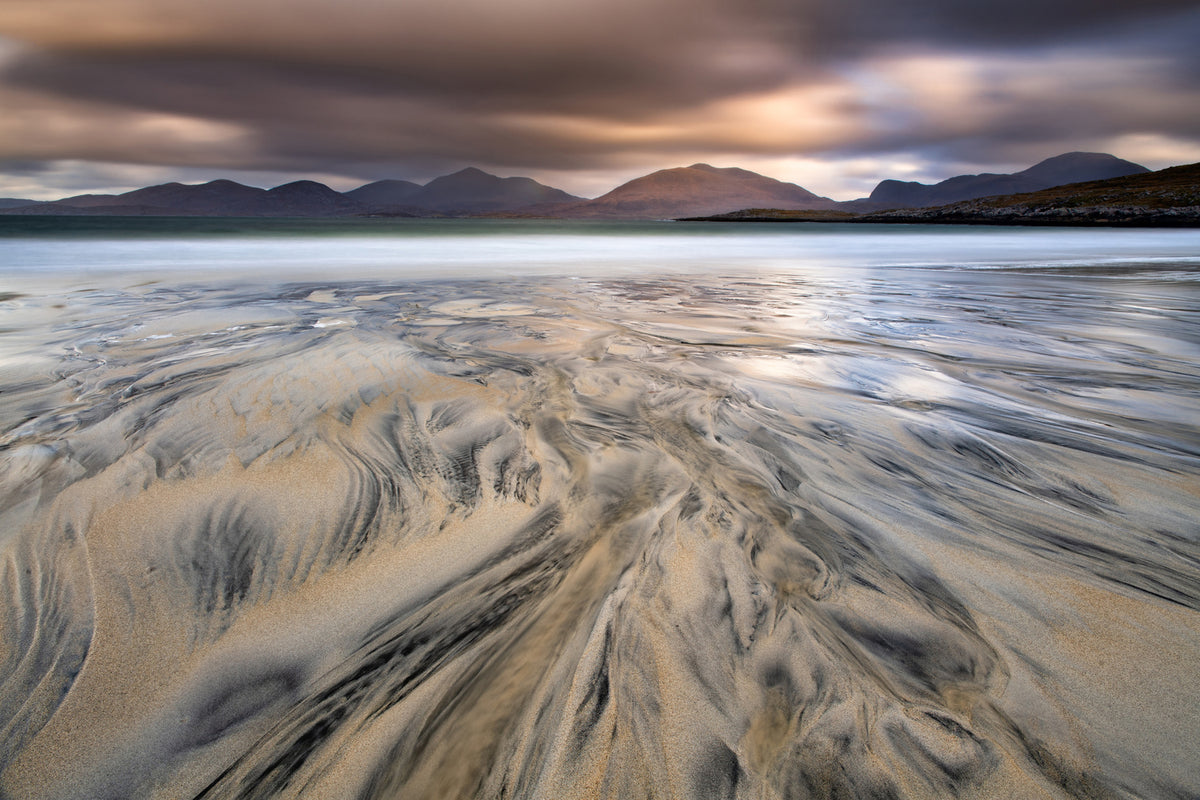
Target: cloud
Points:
(45, 127)
(616, 56)
(993, 99)
(378, 87)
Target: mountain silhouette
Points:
(1056, 171)
(207, 198)
(700, 190)
(1166, 198)
(385, 193)
(220, 198)
(308, 199)
(473, 190)
(693, 191)
(463, 193)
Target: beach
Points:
(682, 523)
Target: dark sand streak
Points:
(658, 538)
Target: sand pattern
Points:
(760, 537)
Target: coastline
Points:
(1168, 198)
(1075, 218)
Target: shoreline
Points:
(1088, 219)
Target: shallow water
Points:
(697, 514)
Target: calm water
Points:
(503, 509)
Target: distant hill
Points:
(15, 202)
(1067, 168)
(221, 198)
(208, 198)
(309, 199)
(384, 193)
(692, 191)
(683, 192)
(472, 190)
(1166, 198)
(466, 192)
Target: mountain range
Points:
(1067, 168)
(698, 190)
(1166, 198)
(469, 191)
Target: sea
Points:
(388, 508)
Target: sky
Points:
(835, 95)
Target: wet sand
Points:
(910, 534)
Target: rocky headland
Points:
(1166, 198)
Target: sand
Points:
(762, 538)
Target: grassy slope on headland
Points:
(1167, 198)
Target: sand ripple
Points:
(930, 537)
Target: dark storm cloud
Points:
(859, 24)
(619, 55)
(336, 86)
